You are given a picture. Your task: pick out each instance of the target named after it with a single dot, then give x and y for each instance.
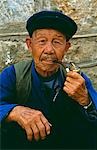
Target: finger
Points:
(69, 79)
(69, 91)
(47, 124)
(74, 80)
(74, 84)
(75, 95)
(35, 132)
(69, 85)
(50, 124)
(73, 74)
(29, 133)
(42, 129)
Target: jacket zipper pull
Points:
(55, 96)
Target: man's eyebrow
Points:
(60, 36)
(38, 34)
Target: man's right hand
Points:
(32, 121)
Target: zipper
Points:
(56, 94)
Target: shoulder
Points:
(8, 71)
(22, 67)
(23, 63)
(12, 68)
(8, 76)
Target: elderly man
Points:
(43, 106)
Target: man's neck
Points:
(46, 73)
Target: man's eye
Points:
(42, 41)
(57, 42)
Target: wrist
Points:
(87, 106)
(12, 114)
(85, 101)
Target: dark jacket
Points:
(71, 126)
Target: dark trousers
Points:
(68, 137)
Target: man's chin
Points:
(47, 69)
(47, 65)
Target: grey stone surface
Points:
(14, 13)
(19, 10)
(84, 12)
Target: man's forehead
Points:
(42, 32)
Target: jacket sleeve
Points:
(7, 91)
(91, 112)
(92, 92)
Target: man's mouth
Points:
(48, 60)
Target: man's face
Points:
(47, 45)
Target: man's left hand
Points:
(75, 87)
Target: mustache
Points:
(53, 60)
(48, 57)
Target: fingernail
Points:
(48, 132)
(29, 138)
(50, 124)
(43, 138)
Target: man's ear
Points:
(28, 43)
(68, 45)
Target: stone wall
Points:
(13, 32)
(84, 12)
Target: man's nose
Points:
(49, 49)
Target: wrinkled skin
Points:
(32, 121)
(75, 87)
(45, 46)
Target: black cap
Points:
(54, 20)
